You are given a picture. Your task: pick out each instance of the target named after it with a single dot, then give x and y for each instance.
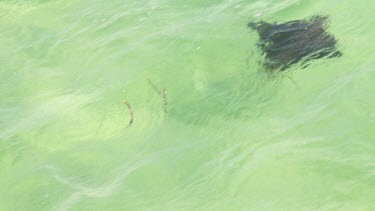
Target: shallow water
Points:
(232, 138)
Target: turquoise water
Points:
(231, 138)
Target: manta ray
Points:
(285, 44)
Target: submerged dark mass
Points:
(291, 42)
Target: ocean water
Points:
(210, 131)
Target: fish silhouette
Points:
(285, 44)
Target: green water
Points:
(231, 139)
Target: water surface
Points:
(232, 138)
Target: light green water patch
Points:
(233, 137)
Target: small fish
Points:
(165, 98)
(130, 111)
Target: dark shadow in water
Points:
(235, 98)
